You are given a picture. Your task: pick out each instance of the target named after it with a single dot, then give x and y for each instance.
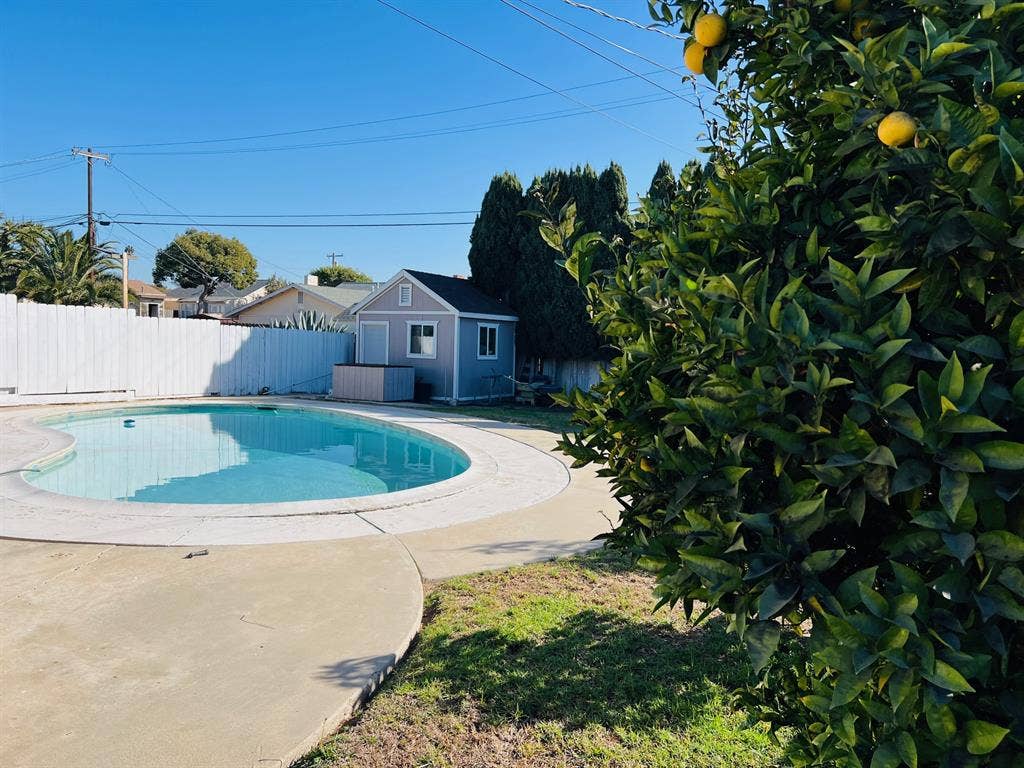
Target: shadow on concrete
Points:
(359, 672)
(541, 549)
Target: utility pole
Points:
(89, 156)
(126, 255)
(334, 258)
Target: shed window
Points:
(405, 295)
(487, 348)
(301, 298)
(422, 340)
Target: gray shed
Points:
(460, 341)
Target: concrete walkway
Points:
(135, 657)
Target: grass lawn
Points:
(551, 418)
(555, 664)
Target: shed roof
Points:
(461, 294)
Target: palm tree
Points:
(15, 239)
(61, 269)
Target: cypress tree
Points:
(553, 318)
(664, 185)
(495, 239)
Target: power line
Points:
(364, 123)
(39, 159)
(301, 215)
(632, 101)
(28, 174)
(630, 22)
(182, 213)
(532, 79)
(277, 225)
(596, 52)
(612, 43)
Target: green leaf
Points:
(960, 459)
(911, 474)
(1012, 578)
(761, 640)
(963, 124)
(953, 491)
(885, 756)
(822, 560)
(951, 380)
(968, 423)
(960, 544)
(894, 392)
(907, 748)
(983, 737)
(886, 281)
(947, 49)
(881, 455)
(775, 598)
(947, 678)
(1017, 334)
(800, 511)
(1001, 454)
(1001, 545)
(848, 687)
(887, 349)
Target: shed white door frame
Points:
(369, 339)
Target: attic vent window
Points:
(405, 295)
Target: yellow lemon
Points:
(693, 58)
(897, 129)
(710, 30)
(646, 464)
(845, 6)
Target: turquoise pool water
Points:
(213, 454)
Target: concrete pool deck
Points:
(135, 656)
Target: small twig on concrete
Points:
(255, 623)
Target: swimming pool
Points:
(239, 454)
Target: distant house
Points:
(146, 299)
(225, 297)
(460, 341)
(331, 301)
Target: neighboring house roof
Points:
(343, 295)
(222, 292)
(460, 295)
(146, 290)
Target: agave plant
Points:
(61, 269)
(311, 320)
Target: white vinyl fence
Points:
(54, 353)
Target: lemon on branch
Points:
(897, 129)
(693, 57)
(710, 30)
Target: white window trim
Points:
(408, 339)
(402, 286)
(479, 326)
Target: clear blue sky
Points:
(116, 73)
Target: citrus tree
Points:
(815, 419)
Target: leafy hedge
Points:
(815, 422)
